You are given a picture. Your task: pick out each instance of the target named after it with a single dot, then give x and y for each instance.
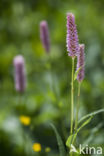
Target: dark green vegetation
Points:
(47, 97)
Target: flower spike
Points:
(44, 35)
(80, 63)
(20, 77)
(72, 36)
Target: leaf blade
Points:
(83, 125)
(91, 114)
(72, 137)
(59, 140)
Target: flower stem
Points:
(72, 98)
(78, 103)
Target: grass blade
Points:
(60, 142)
(91, 114)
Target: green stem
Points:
(72, 98)
(77, 107)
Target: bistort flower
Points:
(20, 74)
(44, 35)
(72, 36)
(81, 63)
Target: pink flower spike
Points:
(20, 75)
(81, 63)
(44, 35)
(72, 36)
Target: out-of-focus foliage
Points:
(47, 97)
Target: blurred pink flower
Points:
(44, 35)
(20, 75)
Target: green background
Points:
(47, 97)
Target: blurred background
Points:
(25, 118)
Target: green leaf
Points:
(83, 125)
(69, 140)
(59, 140)
(91, 114)
(72, 137)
